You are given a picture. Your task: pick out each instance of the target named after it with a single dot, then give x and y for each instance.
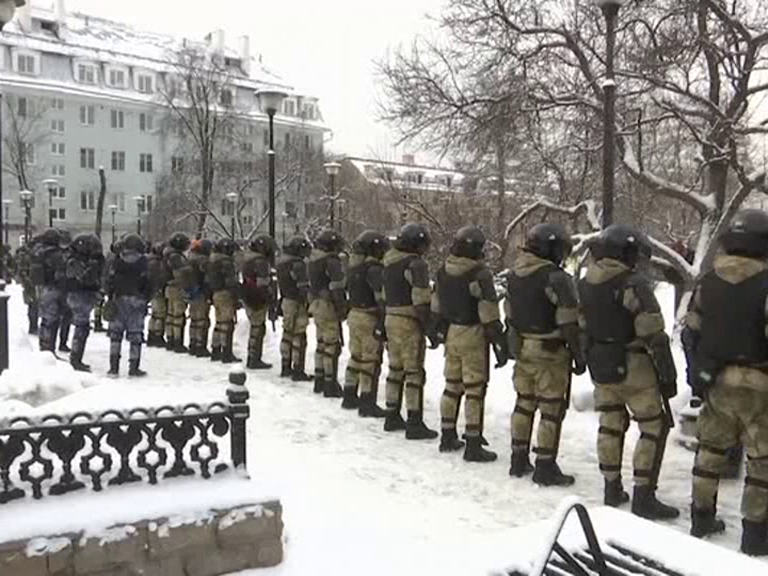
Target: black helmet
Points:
(179, 241)
(549, 241)
(413, 238)
(623, 243)
(87, 244)
(329, 241)
(747, 234)
(298, 246)
(263, 244)
(157, 248)
(203, 246)
(65, 238)
(469, 242)
(50, 237)
(133, 243)
(226, 246)
(371, 243)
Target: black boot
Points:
(548, 473)
(332, 389)
(64, 338)
(520, 464)
(76, 360)
(300, 376)
(645, 505)
(114, 365)
(151, 339)
(474, 452)
(393, 421)
(216, 354)
(415, 429)
(193, 347)
(754, 538)
(319, 384)
(285, 369)
(202, 348)
(704, 522)
(134, 370)
(256, 363)
(614, 494)
(369, 408)
(227, 354)
(350, 400)
(449, 441)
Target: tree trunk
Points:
(501, 175)
(100, 205)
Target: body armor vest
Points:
(361, 294)
(396, 287)
(733, 320)
(286, 282)
(531, 310)
(457, 305)
(607, 319)
(129, 277)
(319, 281)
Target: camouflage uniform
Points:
(48, 274)
(258, 294)
(327, 307)
(66, 315)
(158, 278)
(294, 285)
(179, 279)
(24, 277)
(222, 279)
(729, 320)
(542, 313)
(199, 297)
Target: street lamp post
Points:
(270, 101)
(7, 203)
(232, 199)
(610, 10)
(50, 184)
(332, 169)
(139, 210)
(26, 200)
(113, 211)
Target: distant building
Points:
(82, 92)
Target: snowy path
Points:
(356, 498)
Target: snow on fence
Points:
(54, 455)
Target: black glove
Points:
(666, 373)
(380, 331)
(573, 339)
(494, 333)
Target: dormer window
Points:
(145, 83)
(289, 107)
(86, 73)
(117, 77)
(26, 62)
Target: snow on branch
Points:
(587, 207)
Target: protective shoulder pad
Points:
(419, 273)
(562, 284)
(643, 289)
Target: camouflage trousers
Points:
(159, 313)
(406, 348)
(81, 304)
(128, 322)
(175, 317)
(638, 395)
(30, 299)
(365, 352)
(293, 346)
(199, 321)
(225, 307)
(466, 372)
(328, 335)
(66, 321)
(257, 317)
(730, 415)
(541, 379)
(51, 305)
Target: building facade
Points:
(82, 93)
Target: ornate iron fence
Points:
(55, 455)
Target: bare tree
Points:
(24, 133)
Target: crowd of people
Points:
(608, 322)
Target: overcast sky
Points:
(323, 47)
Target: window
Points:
(87, 158)
(177, 164)
(117, 119)
(145, 163)
(58, 170)
(58, 213)
(58, 192)
(307, 142)
(26, 64)
(287, 139)
(88, 200)
(251, 130)
(309, 111)
(57, 103)
(290, 209)
(145, 83)
(148, 203)
(86, 73)
(28, 152)
(247, 220)
(289, 108)
(57, 148)
(57, 126)
(309, 210)
(118, 161)
(266, 138)
(23, 108)
(226, 97)
(246, 146)
(117, 78)
(87, 115)
(118, 198)
(146, 122)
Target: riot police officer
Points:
(128, 288)
(222, 280)
(631, 365)
(407, 295)
(466, 306)
(48, 275)
(24, 277)
(158, 278)
(84, 263)
(294, 286)
(199, 298)
(366, 302)
(725, 337)
(179, 279)
(542, 319)
(258, 294)
(65, 239)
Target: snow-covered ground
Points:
(357, 499)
